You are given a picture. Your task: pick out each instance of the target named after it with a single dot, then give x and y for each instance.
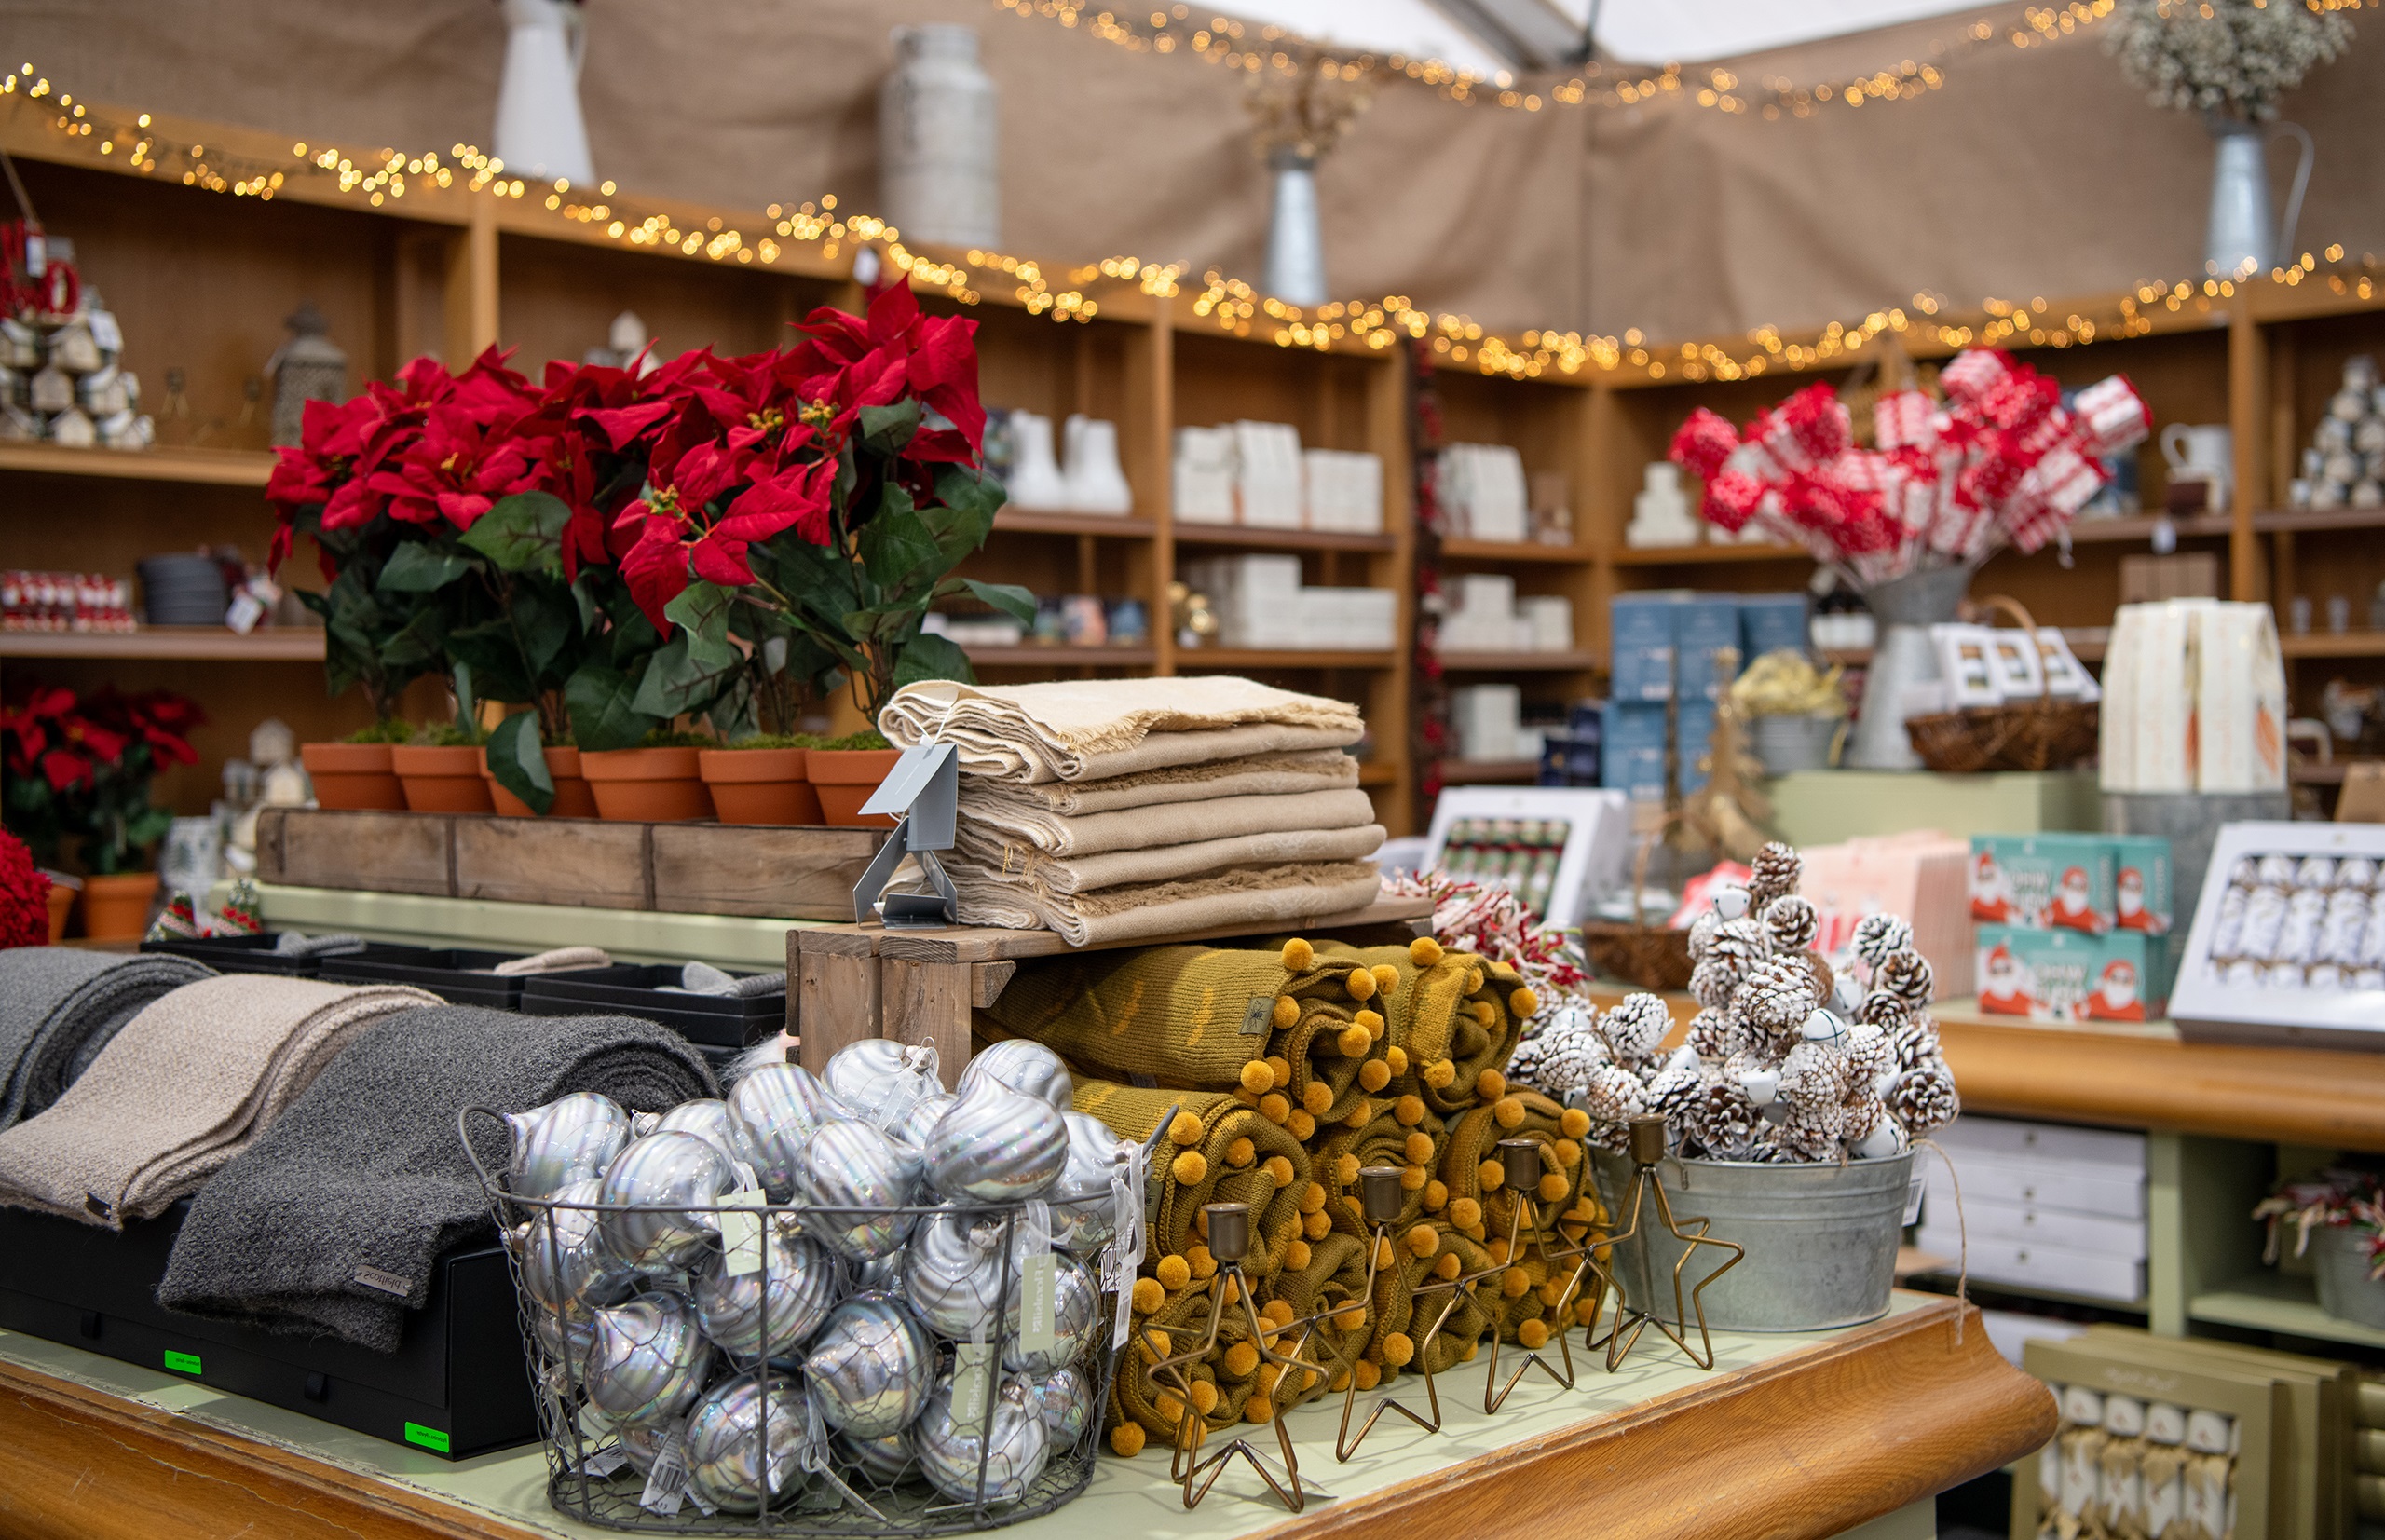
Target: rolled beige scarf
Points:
(181, 1090)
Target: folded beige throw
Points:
(1259, 775)
(1254, 898)
(1081, 874)
(1164, 824)
(1095, 728)
(182, 1089)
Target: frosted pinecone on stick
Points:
(1633, 1027)
(1876, 936)
(1791, 923)
(1775, 871)
(1923, 1099)
(1906, 976)
(1776, 1000)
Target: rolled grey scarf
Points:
(331, 1222)
(59, 1007)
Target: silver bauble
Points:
(801, 1279)
(668, 1177)
(771, 1113)
(996, 1145)
(647, 1359)
(641, 1443)
(853, 1173)
(1014, 1446)
(566, 1342)
(707, 1117)
(882, 1081)
(569, 1139)
(871, 1366)
(952, 1271)
(1065, 1396)
(1084, 1211)
(881, 1461)
(746, 1442)
(1076, 1310)
(882, 1273)
(565, 1265)
(1026, 1067)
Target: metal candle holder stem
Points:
(1647, 1150)
(1381, 1197)
(1521, 1167)
(1229, 1239)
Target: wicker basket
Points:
(1649, 956)
(2044, 735)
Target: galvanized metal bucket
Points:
(2340, 1264)
(1822, 1240)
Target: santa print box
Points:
(457, 1385)
(2071, 976)
(2090, 883)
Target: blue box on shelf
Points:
(1632, 750)
(1640, 639)
(1705, 625)
(1693, 727)
(1769, 623)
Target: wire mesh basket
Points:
(721, 1364)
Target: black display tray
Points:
(717, 1021)
(458, 975)
(238, 954)
(457, 1385)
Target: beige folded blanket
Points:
(182, 1089)
(1259, 775)
(1020, 864)
(1167, 823)
(1259, 898)
(1086, 730)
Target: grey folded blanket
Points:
(59, 1006)
(329, 1223)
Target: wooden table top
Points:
(1800, 1437)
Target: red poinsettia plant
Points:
(82, 767)
(617, 548)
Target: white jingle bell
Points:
(1763, 1086)
(1823, 1027)
(1731, 901)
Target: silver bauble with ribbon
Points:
(668, 1177)
(881, 1080)
(854, 1173)
(1014, 1445)
(1026, 1067)
(747, 1441)
(1076, 1310)
(869, 1366)
(996, 1145)
(1085, 1208)
(647, 1359)
(882, 1460)
(952, 1271)
(881, 1274)
(571, 1138)
(1065, 1396)
(565, 1264)
(798, 1277)
(772, 1112)
(707, 1117)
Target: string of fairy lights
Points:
(1254, 47)
(1231, 304)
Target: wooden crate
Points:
(679, 868)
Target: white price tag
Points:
(604, 1461)
(972, 1366)
(741, 1234)
(1913, 1191)
(666, 1481)
(1038, 1283)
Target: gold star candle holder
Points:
(1633, 1317)
(1520, 1162)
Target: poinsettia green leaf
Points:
(420, 567)
(518, 760)
(888, 429)
(523, 533)
(701, 610)
(599, 699)
(930, 657)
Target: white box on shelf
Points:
(2280, 977)
(2095, 1234)
(1482, 485)
(2016, 1138)
(1267, 474)
(1345, 491)
(1548, 621)
(2030, 1264)
(1487, 718)
(1593, 825)
(2067, 1186)
(1204, 475)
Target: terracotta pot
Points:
(844, 779)
(442, 780)
(355, 776)
(62, 903)
(117, 908)
(647, 785)
(573, 799)
(759, 785)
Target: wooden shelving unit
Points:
(1704, 556)
(1526, 663)
(171, 643)
(1021, 521)
(1243, 537)
(2145, 527)
(1471, 772)
(1507, 553)
(1222, 660)
(1030, 655)
(2328, 644)
(192, 467)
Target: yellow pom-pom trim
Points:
(1312, 1197)
(1269, 1374)
(1202, 1263)
(1345, 1168)
(1351, 1317)
(1172, 1273)
(1279, 1168)
(1413, 1179)
(1360, 1115)
(1279, 1072)
(1473, 979)
(1242, 1360)
(1353, 1041)
(1299, 956)
(1361, 983)
(1396, 1057)
(1466, 1213)
(1285, 1014)
(1317, 1225)
(1398, 1349)
(1258, 1409)
(1184, 1129)
(1514, 1283)
(1446, 1266)
(1585, 1312)
(1170, 1410)
(1553, 1186)
(1241, 1153)
(1383, 1253)
(1424, 951)
(1205, 1396)
(1301, 1125)
(1245, 1098)
(1508, 1112)
(1551, 1291)
(1438, 1074)
(1498, 1250)
(1569, 1155)
(1523, 1002)
(1491, 1086)
(1373, 1075)
(1409, 1110)
(1418, 1148)
(1370, 1021)
(1316, 1099)
(1489, 1175)
(1485, 1014)
(1422, 1240)
(1573, 1122)
(1465, 1355)
(1187, 1169)
(1367, 1374)
(1436, 1195)
(1255, 1078)
(1296, 1254)
(1126, 1440)
(1154, 1343)
(1275, 1107)
(1533, 1333)
(1387, 978)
